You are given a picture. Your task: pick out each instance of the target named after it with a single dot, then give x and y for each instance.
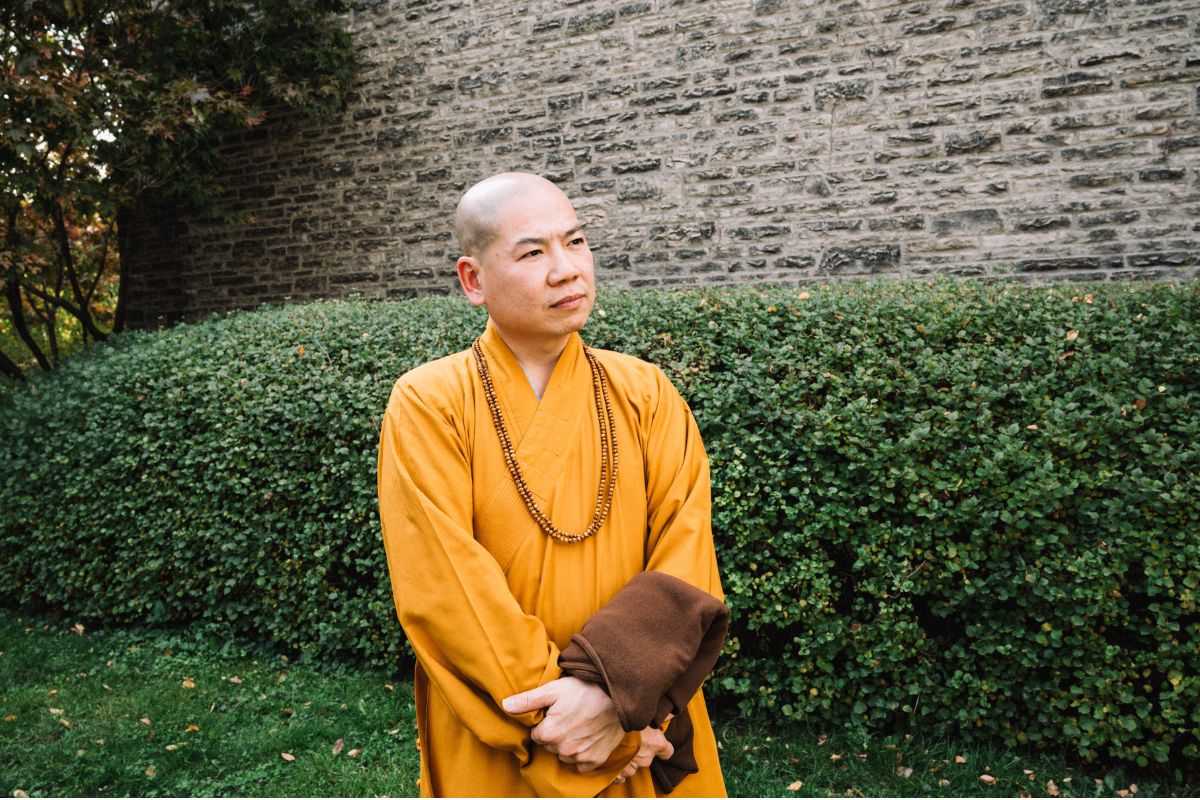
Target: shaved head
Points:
(477, 217)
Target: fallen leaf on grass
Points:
(394, 731)
(287, 756)
(943, 782)
(19, 793)
(144, 720)
(1122, 793)
(354, 753)
(835, 757)
(188, 683)
(795, 786)
(191, 728)
(1051, 789)
(338, 745)
(65, 722)
(77, 629)
(56, 711)
(822, 739)
(177, 745)
(1140, 403)
(959, 760)
(151, 771)
(1133, 788)
(988, 779)
(1072, 335)
(10, 717)
(389, 687)
(904, 772)
(235, 679)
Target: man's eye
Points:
(531, 253)
(577, 240)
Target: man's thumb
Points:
(541, 697)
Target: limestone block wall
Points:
(721, 141)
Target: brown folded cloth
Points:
(650, 648)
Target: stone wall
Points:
(722, 141)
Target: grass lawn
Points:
(151, 713)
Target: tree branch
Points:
(104, 248)
(65, 305)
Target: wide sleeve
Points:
(679, 537)
(470, 635)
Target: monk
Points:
(523, 483)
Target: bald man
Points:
(523, 484)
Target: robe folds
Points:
(685, 635)
(488, 601)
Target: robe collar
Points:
(543, 432)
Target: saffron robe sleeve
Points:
(486, 598)
(652, 665)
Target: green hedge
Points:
(960, 505)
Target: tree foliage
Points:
(103, 102)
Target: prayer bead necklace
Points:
(608, 448)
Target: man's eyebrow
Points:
(524, 240)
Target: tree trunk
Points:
(124, 215)
(10, 368)
(12, 291)
(68, 261)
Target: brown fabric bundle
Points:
(650, 648)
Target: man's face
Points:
(537, 275)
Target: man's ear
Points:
(468, 277)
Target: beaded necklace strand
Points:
(608, 448)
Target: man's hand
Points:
(580, 726)
(654, 745)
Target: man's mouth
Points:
(569, 301)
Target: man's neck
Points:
(537, 358)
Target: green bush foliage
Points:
(972, 507)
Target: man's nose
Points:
(564, 266)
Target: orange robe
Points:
(486, 598)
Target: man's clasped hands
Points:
(581, 726)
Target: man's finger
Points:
(541, 697)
